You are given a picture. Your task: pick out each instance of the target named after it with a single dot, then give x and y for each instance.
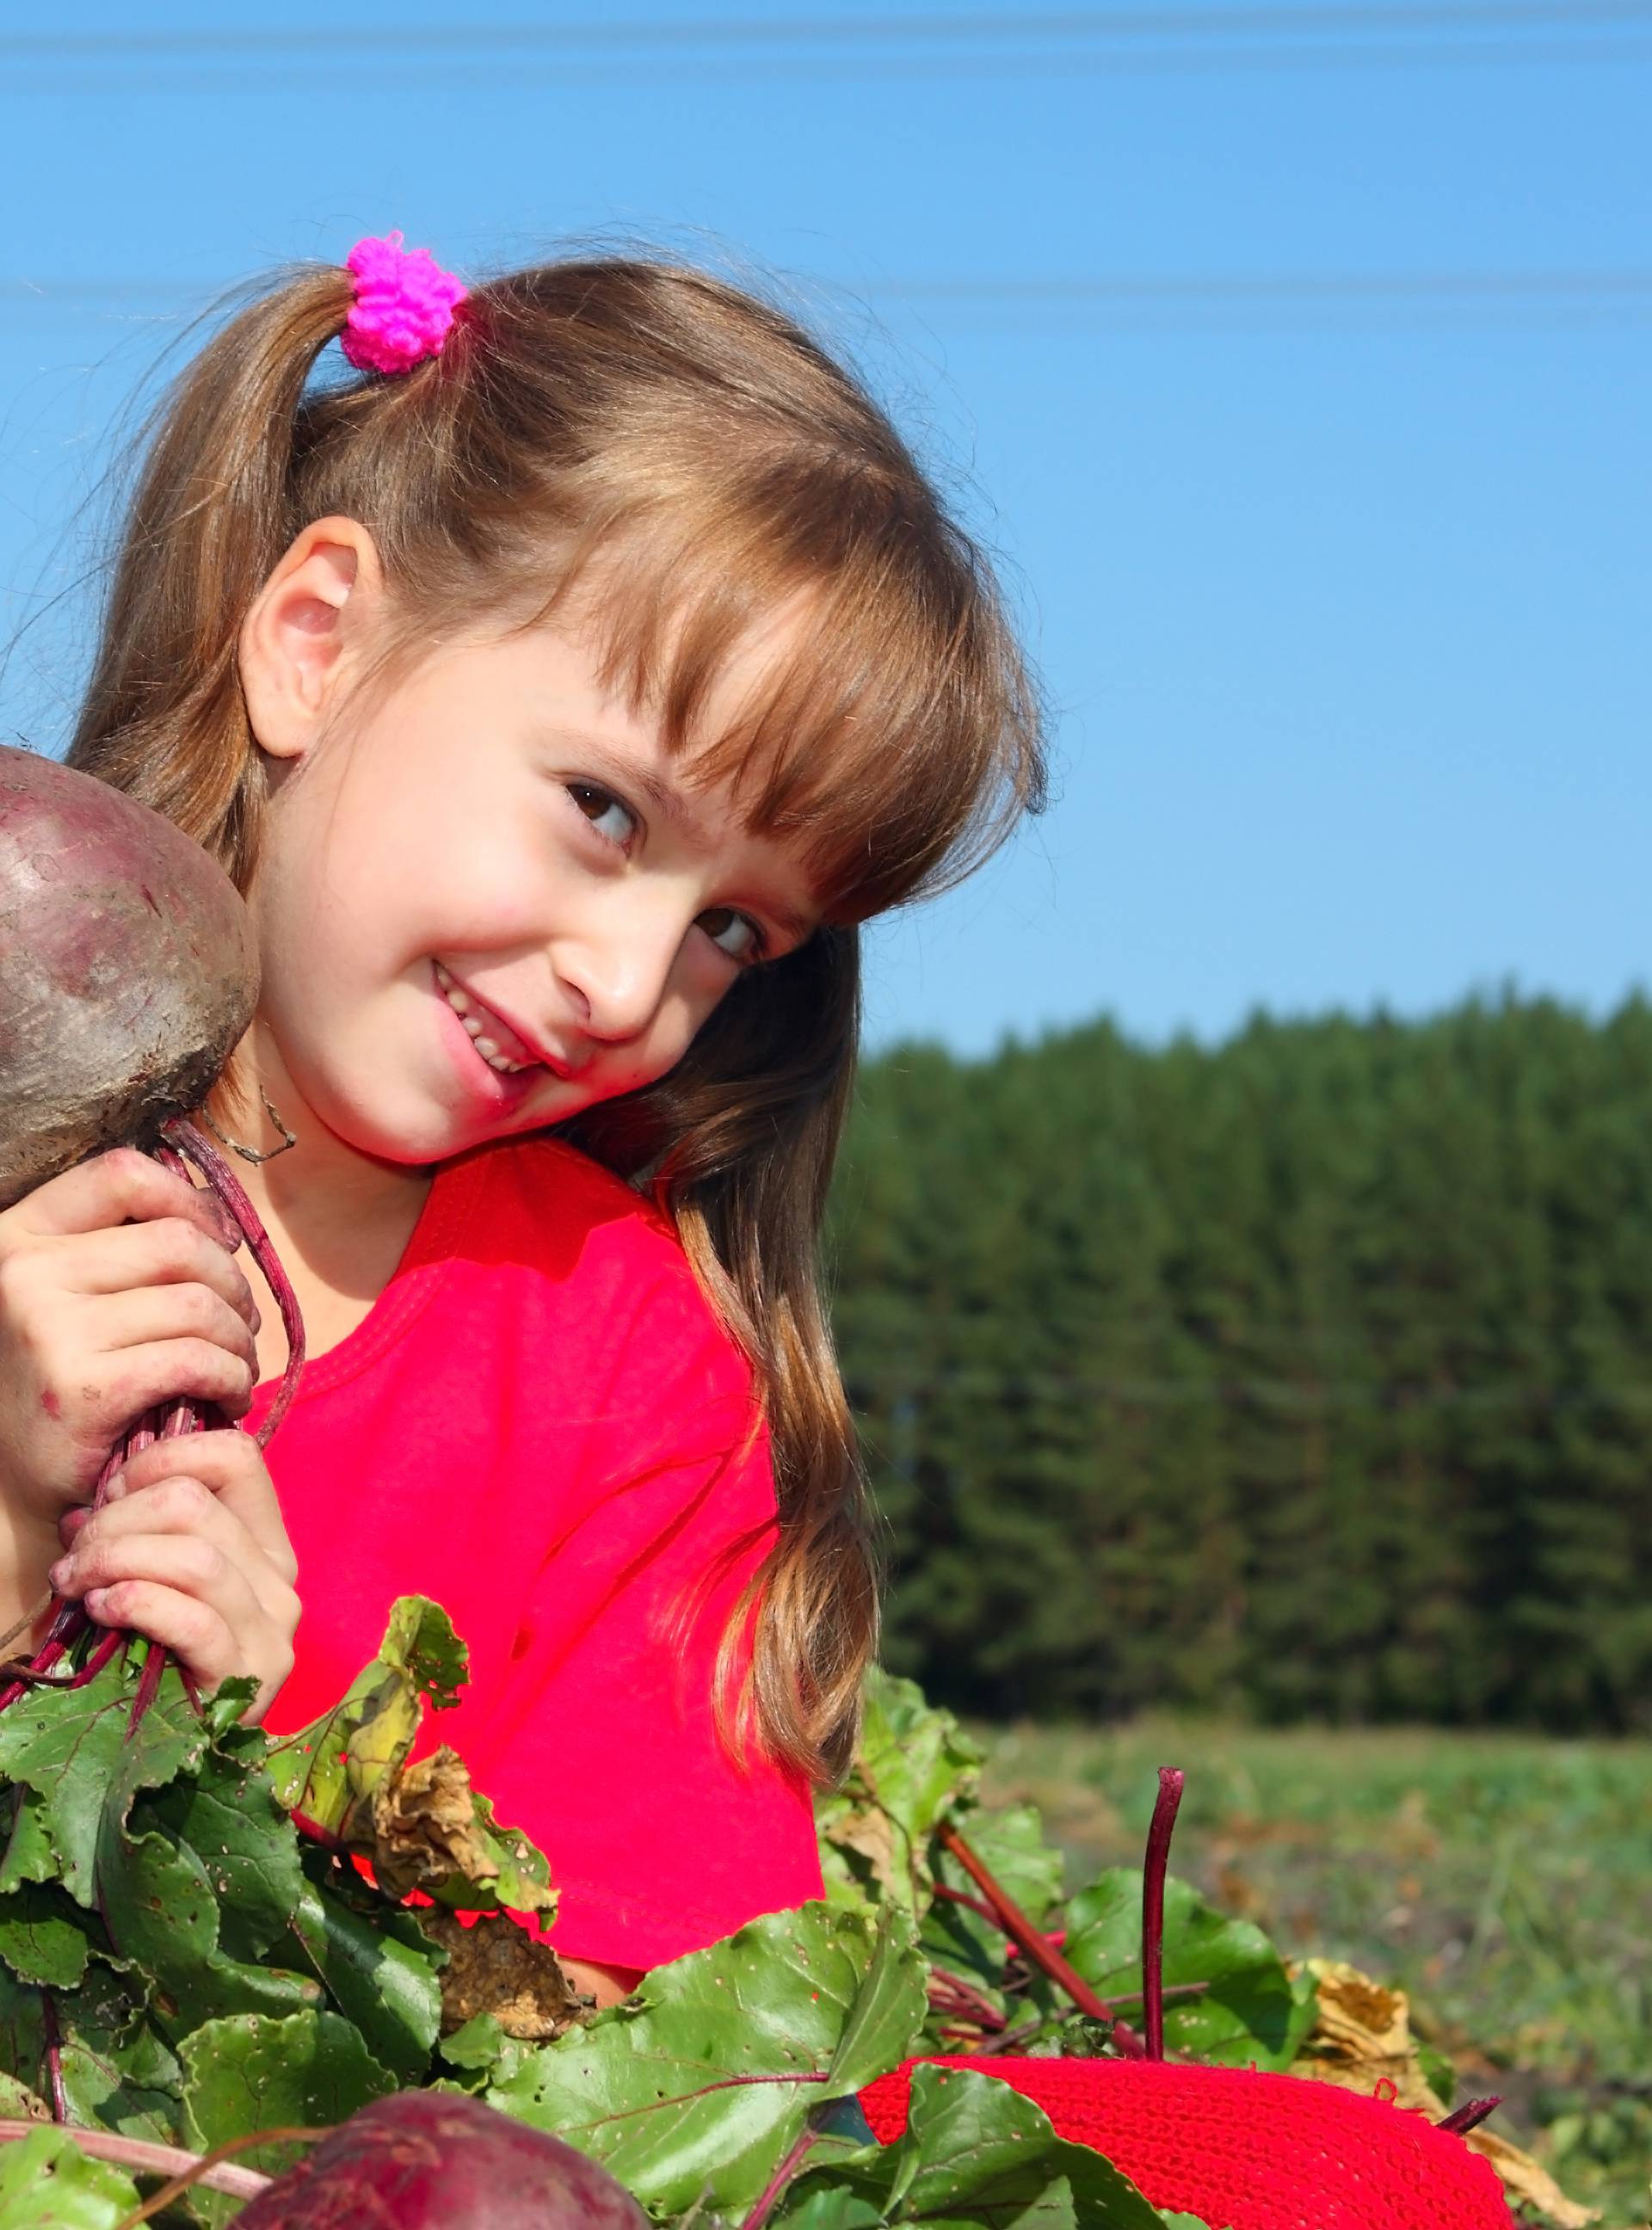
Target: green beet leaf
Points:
(378, 1966)
(118, 2073)
(1248, 2010)
(484, 2051)
(975, 2153)
(43, 1936)
(159, 1898)
(68, 1744)
(831, 2205)
(914, 1766)
(1010, 1840)
(30, 1855)
(329, 1771)
(19, 2104)
(700, 2084)
(117, 1804)
(308, 2071)
(227, 1813)
(47, 2184)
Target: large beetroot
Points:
(427, 2161)
(128, 969)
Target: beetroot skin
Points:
(430, 2160)
(128, 971)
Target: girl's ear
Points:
(306, 627)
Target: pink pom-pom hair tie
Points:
(404, 306)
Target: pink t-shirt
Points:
(541, 1425)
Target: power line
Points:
(1134, 26)
(998, 44)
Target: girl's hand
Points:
(189, 1549)
(119, 1291)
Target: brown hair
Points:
(689, 454)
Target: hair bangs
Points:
(863, 740)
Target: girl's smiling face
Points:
(492, 853)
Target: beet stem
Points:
(1469, 2115)
(769, 2197)
(315, 1832)
(208, 2170)
(188, 1142)
(111, 1640)
(54, 2057)
(1034, 1946)
(148, 1682)
(1171, 1779)
(1007, 2039)
(950, 1994)
(148, 2158)
(962, 1897)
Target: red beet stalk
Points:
(1033, 1944)
(1470, 2115)
(1152, 1906)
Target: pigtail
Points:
(164, 717)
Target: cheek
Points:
(701, 987)
(692, 998)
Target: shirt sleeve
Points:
(601, 1743)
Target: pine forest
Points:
(1302, 1376)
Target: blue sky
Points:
(1340, 597)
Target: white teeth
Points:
(488, 1048)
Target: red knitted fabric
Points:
(1244, 2149)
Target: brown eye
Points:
(609, 816)
(736, 934)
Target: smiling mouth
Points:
(494, 1040)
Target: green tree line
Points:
(1307, 1374)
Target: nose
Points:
(616, 976)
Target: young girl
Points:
(561, 685)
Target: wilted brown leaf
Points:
(424, 1826)
(1362, 2037)
(496, 1967)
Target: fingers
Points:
(103, 1569)
(118, 1228)
(146, 1313)
(212, 1646)
(111, 1189)
(215, 1481)
(118, 1388)
(171, 1250)
(173, 1560)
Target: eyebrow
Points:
(671, 804)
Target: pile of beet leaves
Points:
(206, 1934)
(190, 1954)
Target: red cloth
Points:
(1244, 2150)
(541, 1425)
